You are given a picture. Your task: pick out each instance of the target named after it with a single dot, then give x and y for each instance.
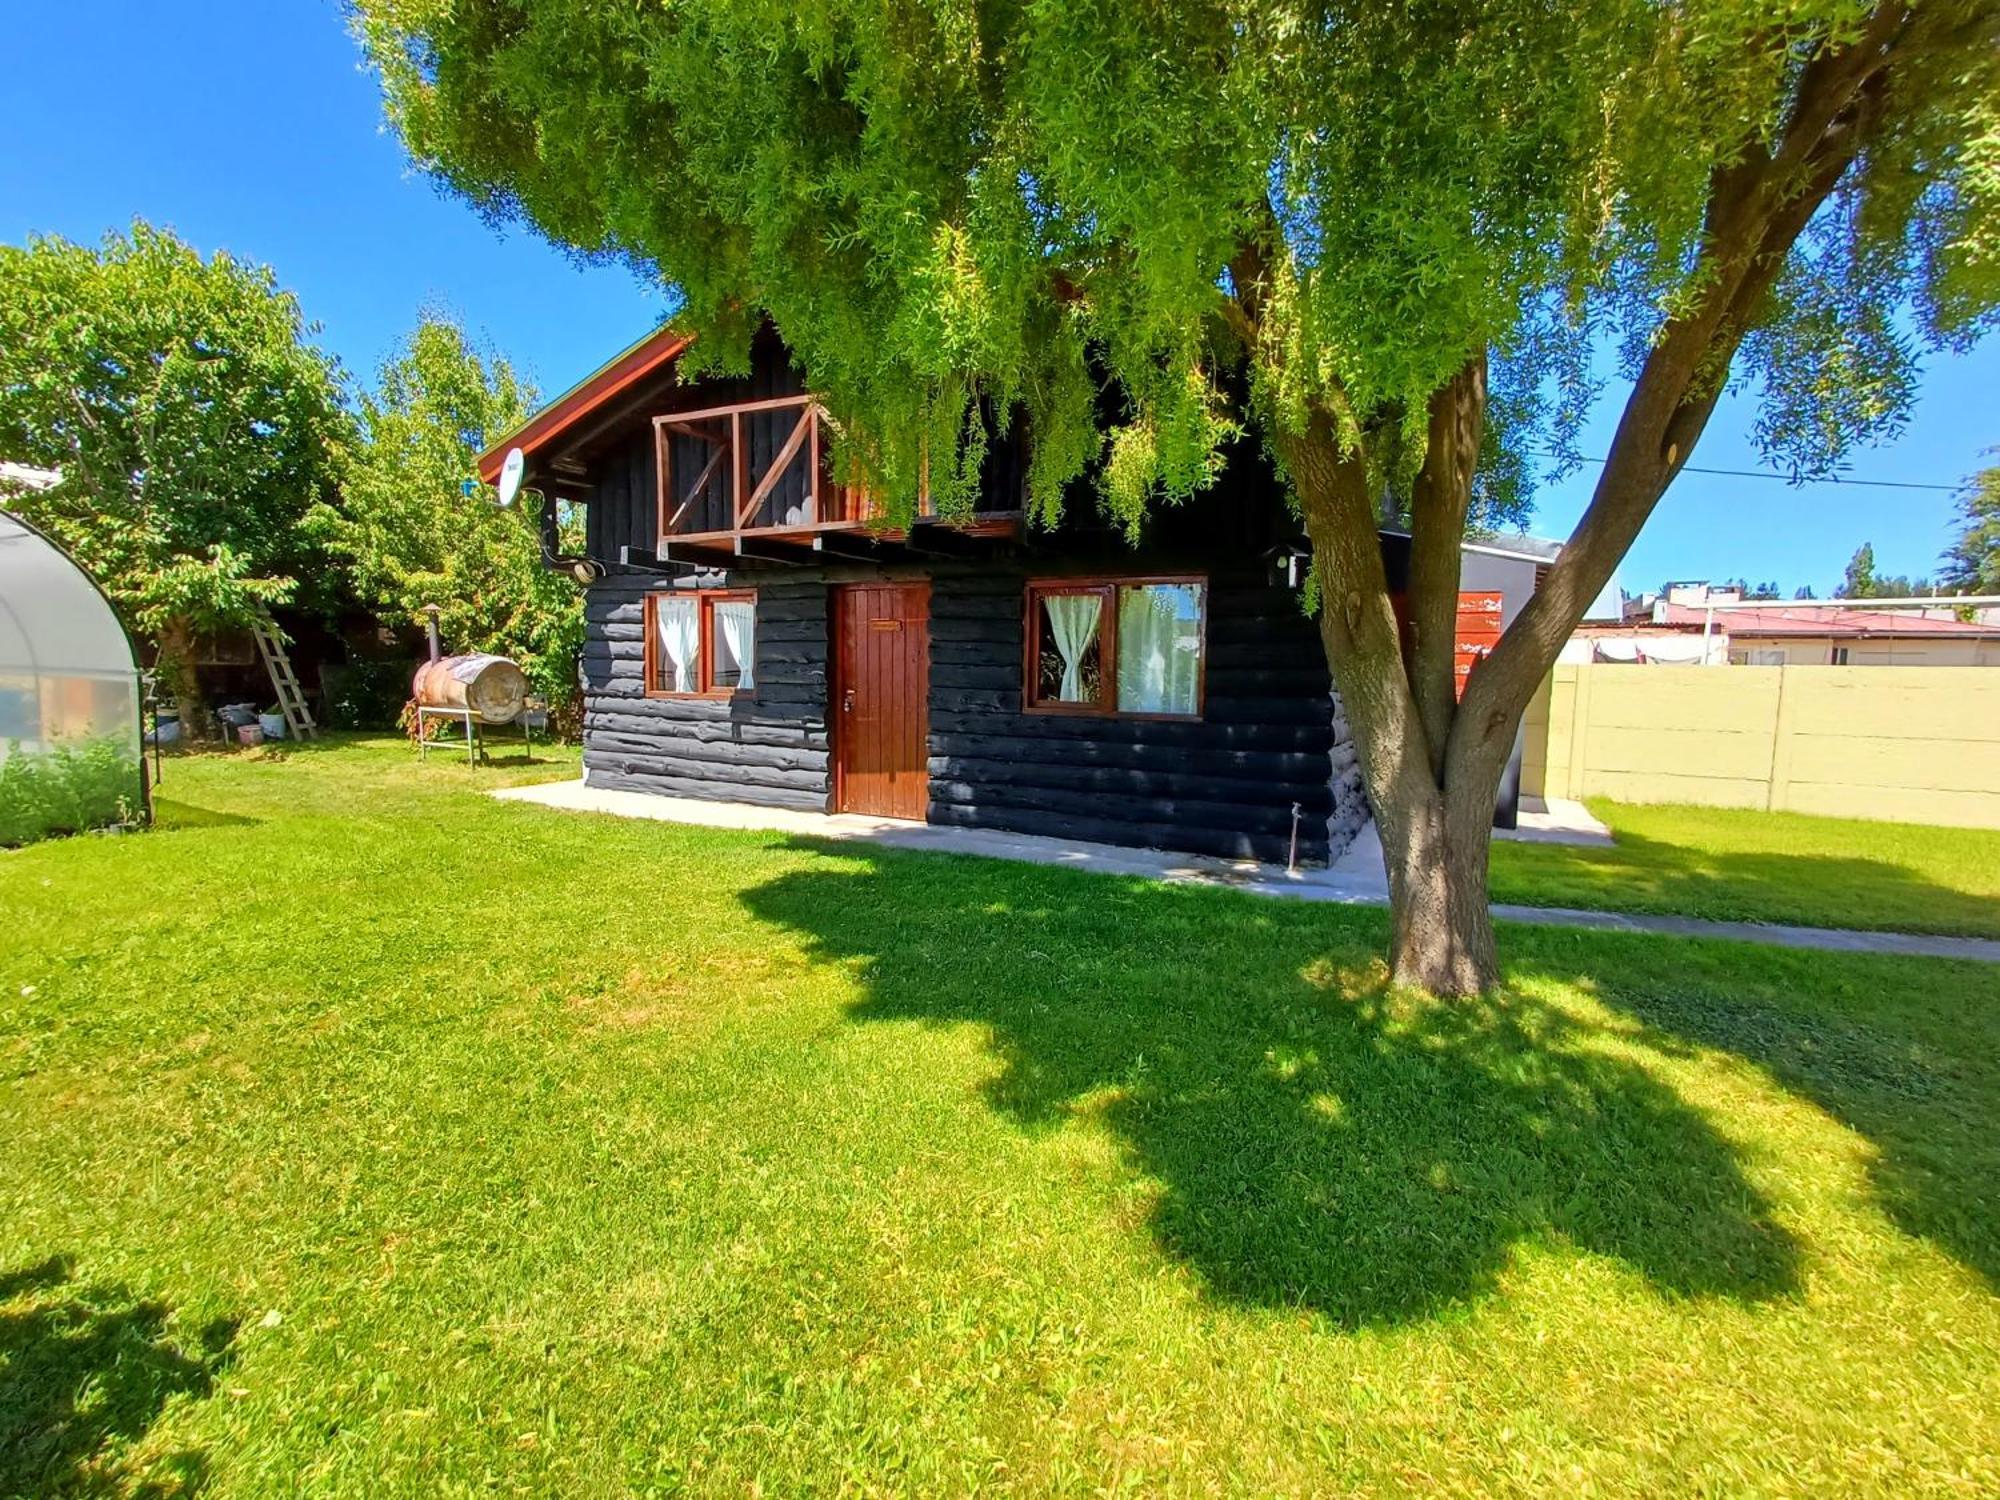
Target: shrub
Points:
(367, 694)
(65, 789)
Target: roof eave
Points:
(647, 357)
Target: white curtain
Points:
(1159, 648)
(1073, 625)
(678, 622)
(736, 623)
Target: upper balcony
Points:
(753, 482)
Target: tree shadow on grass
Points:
(1640, 874)
(85, 1371)
(1873, 1044)
(171, 815)
(1318, 1141)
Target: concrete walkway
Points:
(1356, 879)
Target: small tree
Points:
(1858, 582)
(409, 536)
(1972, 564)
(1861, 581)
(1384, 236)
(192, 422)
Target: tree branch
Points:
(1439, 503)
(1760, 204)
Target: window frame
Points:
(705, 601)
(1106, 587)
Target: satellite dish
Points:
(511, 469)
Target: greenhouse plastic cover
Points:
(66, 667)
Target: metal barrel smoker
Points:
(476, 690)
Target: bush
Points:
(65, 790)
(365, 694)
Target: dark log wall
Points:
(1224, 785)
(769, 747)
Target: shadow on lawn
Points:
(89, 1370)
(171, 815)
(1811, 890)
(1319, 1141)
(1920, 1087)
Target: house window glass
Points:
(1159, 648)
(676, 645)
(1116, 647)
(701, 643)
(734, 629)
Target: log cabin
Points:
(756, 633)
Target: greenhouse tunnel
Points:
(69, 678)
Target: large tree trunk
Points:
(1441, 928)
(1434, 834)
(176, 667)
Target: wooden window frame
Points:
(705, 601)
(1106, 588)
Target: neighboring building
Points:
(755, 635)
(1677, 628)
(1781, 637)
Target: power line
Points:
(1874, 484)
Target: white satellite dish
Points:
(512, 467)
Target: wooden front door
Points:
(882, 674)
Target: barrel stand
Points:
(475, 738)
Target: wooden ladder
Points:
(291, 700)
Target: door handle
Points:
(847, 701)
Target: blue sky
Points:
(248, 125)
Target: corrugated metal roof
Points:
(1778, 620)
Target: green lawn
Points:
(1767, 867)
(361, 1135)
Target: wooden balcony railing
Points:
(757, 466)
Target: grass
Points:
(1730, 864)
(360, 1135)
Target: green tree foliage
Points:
(1384, 236)
(1751, 590)
(409, 536)
(192, 422)
(1972, 565)
(1858, 582)
(1861, 581)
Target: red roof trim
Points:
(651, 354)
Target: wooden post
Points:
(812, 459)
(739, 468)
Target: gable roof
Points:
(649, 356)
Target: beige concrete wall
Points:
(1909, 744)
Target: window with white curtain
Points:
(701, 643)
(1117, 646)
